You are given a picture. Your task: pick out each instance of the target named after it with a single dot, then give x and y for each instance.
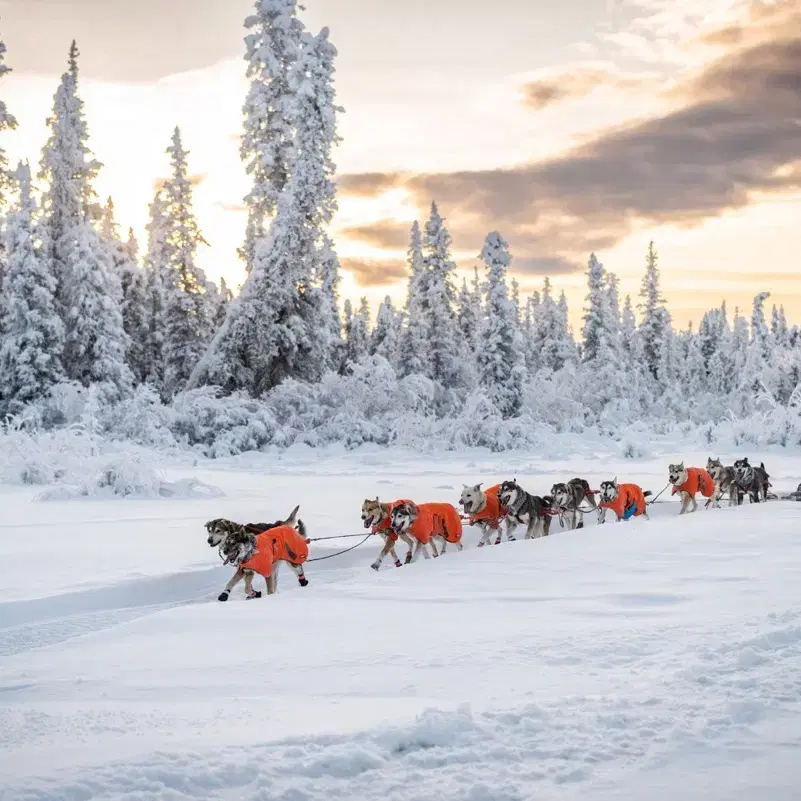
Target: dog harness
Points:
(493, 512)
(698, 480)
(282, 543)
(630, 502)
(436, 520)
(384, 526)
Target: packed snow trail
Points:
(627, 661)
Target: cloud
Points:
(369, 272)
(736, 133)
(574, 84)
(387, 234)
(368, 184)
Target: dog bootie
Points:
(376, 566)
(223, 596)
(303, 582)
(398, 563)
(254, 594)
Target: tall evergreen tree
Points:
(551, 337)
(778, 326)
(442, 334)
(501, 362)
(156, 286)
(124, 263)
(7, 122)
(386, 336)
(272, 48)
(595, 313)
(33, 338)
(275, 329)
(67, 170)
(187, 323)
(328, 279)
(655, 316)
(357, 334)
(413, 352)
(760, 333)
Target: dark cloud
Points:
(368, 184)
(386, 234)
(573, 85)
(738, 133)
(368, 272)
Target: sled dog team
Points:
(500, 509)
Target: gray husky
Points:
(725, 478)
(567, 498)
(753, 480)
(524, 508)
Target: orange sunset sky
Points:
(568, 126)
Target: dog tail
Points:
(647, 494)
(302, 529)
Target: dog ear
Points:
(478, 486)
(290, 521)
(614, 480)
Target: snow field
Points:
(626, 661)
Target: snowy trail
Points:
(616, 662)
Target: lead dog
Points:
(377, 515)
(523, 508)
(251, 552)
(486, 512)
(688, 482)
(753, 480)
(725, 479)
(567, 498)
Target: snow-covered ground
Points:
(643, 660)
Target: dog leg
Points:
(394, 555)
(388, 546)
(235, 579)
(579, 519)
(432, 544)
(249, 591)
(685, 498)
(694, 503)
(486, 533)
(601, 515)
(302, 580)
(444, 546)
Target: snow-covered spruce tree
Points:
(470, 315)
(272, 47)
(501, 362)
(655, 316)
(327, 277)
(529, 333)
(443, 348)
(595, 312)
(220, 297)
(186, 318)
(67, 170)
(7, 122)
(385, 337)
(760, 333)
(276, 328)
(357, 335)
(155, 293)
(551, 339)
(33, 338)
(778, 326)
(125, 263)
(413, 350)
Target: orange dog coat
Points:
(493, 511)
(437, 520)
(385, 525)
(274, 545)
(627, 494)
(698, 480)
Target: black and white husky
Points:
(523, 508)
(725, 478)
(567, 498)
(753, 480)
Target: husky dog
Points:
(243, 544)
(725, 479)
(485, 511)
(567, 499)
(521, 508)
(377, 515)
(688, 482)
(625, 500)
(404, 515)
(753, 480)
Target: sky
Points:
(573, 127)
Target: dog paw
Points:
(376, 566)
(254, 594)
(223, 596)
(303, 582)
